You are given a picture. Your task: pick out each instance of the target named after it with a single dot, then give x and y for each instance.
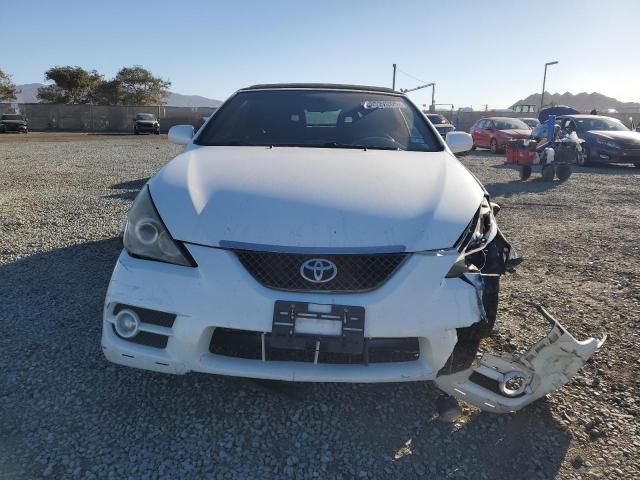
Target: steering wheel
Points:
(387, 141)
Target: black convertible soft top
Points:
(323, 86)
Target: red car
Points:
(494, 132)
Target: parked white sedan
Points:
(322, 233)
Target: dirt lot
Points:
(67, 413)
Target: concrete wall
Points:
(96, 118)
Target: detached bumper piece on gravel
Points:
(509, 382)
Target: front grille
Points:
(248, 344)
(355, 272)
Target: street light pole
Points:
(544, 81)
(433, 97)
(393, 87)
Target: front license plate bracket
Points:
(301, 325)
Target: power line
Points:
(411, 76)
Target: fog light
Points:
(513, 384)
(127, 323)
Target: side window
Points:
(481, 124)
(488, 125)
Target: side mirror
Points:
(459, 142)
(181, 134)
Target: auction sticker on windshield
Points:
(371, 104)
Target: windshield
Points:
(601, 124)
(320, 118)
(436, 119)
(510, 124)
(145, 116)
(8, 116)
(532, 122)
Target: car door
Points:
(487, 133)
(479, 133)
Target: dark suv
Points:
(13, 122)
(146, 122)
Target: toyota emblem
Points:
(318, 270)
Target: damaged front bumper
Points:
(509, 382)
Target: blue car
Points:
(607, 140)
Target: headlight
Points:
(146, 236)
(607, 143)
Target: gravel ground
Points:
(67, 413)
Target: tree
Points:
(8, 90)
(71, 85)
(138, 86)
(106, 93)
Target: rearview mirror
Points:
(181, 134)
(459, 142)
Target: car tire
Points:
(584, 158)
(157, 132)
(563, 172)
(473, 147)
(548, 172)
(493, 146)
(525, 172)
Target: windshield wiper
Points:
(341, 145)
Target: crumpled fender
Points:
(508, 383)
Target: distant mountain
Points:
(179, 100)
(584, 102)
(29, 92)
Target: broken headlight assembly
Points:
(482, 247)
(146, 236)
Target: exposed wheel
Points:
(548, 172)
(584, 157)
(525, 172)
(563, 171)
(493, 146)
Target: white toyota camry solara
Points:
(325, 233)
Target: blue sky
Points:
(478, 52)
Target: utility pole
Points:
(544, 81)
(393, 86)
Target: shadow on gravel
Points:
(67, 412)
(608, 169)
(131, 187)
(596, 168)
(515, 187)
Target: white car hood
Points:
(332, 200)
